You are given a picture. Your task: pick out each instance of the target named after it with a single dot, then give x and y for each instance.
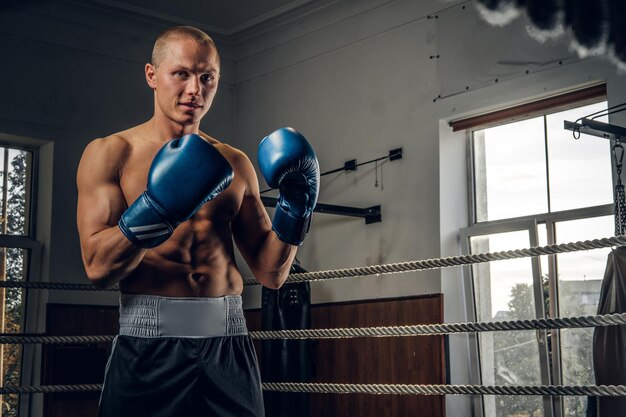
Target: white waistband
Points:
(155, 316)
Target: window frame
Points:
(471, 174)
(551, 361)
(34, 180)
(33, 264)
(529, 225)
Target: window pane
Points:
(510, 170)
(580, 170)
(16, 174)
(504, 291)
(580, 277)
(13, 262)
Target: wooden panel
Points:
(401, 360)
(70, 364)
(410, 360)
(81, 320)
(553, 104)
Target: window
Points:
(533, 184)
(17, 247)
(534, 166)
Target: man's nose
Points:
(194, 86)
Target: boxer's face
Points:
(185, 81)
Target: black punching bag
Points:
(282, 360)
(609, 343)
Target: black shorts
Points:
(154, 371)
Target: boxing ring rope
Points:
(388, 331)
(50, 389)
(400, 267)
(14, 339)
(414, 389)
(435, 263)
(397, 389)
(382, 331)
(442, 329)
(67, 286)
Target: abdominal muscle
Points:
(197, 261)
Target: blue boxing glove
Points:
(184, 175)
(288, 163)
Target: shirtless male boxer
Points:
(159, 206)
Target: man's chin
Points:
(193, 116)
(188, 119)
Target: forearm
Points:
(273, 261)
(109, 257)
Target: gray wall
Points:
(361, 78)
(358, 78)
(71, 74)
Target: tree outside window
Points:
(14, 206)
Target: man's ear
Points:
(151, 76)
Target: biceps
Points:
(252, 224)
(99, 207)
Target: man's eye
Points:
(181, 74)
(207, 78)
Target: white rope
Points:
(47, 389)
(382, 331)
(418, 265)
(13, 339)
(434, 329)
(451, 261)
(405, 389)
(397, 389)
(67, 286)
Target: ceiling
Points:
(217, 16)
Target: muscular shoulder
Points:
(235, 157)
(239, 161)
(103, 157)
(114, 145)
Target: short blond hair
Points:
(176, 33)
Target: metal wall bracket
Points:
(370, 214)
(599, 129)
